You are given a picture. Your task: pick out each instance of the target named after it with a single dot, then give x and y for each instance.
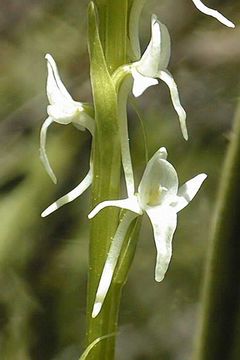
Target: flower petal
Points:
(188, 190)
(214, 13)
(156, 56)
(43, 154)
(159, 182)
(63, 115)
(141, 83)
(129, 204)
(111, 262)
(72, 195)
(56, 91)
(164, 222)
(168, 79)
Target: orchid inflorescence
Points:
(158, 194)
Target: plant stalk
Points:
(108, 49)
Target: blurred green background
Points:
(43, 262)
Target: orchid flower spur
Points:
(214, 13)
(62, 109)
(159, 197)
(153, 66)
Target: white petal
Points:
(156, 56)
(62, 114)
(188, 190)
(141, 83)
(214, 13)
(43, 154)
(129, 204)
(111, 262)
(56, 91)
(164, 222)
(72, 195)
(168, 79)
(165, 45)
(159, 182)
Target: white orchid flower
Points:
(153, 67)
(214, 13)
(160, 198)
(62, 109)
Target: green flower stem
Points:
(108, 27)
(113, 28)
(221, 309)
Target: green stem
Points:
(107, 51)
(109, 47)
(113, 23)
(221, 310)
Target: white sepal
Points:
(157, 54)
(214, 13)
(188, 190)
(56, 91)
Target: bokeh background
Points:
(43, 262)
